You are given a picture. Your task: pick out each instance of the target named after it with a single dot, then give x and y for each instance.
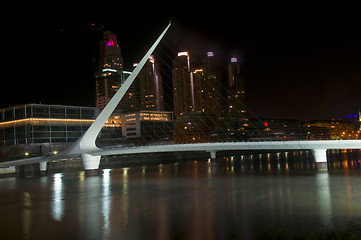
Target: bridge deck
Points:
(224, 146)
(209, 147)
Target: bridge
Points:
(91, 163)
(90, 154)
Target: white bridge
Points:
(319, 148)
(90, 154)
(91, 159)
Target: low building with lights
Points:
(41, 123)
(40, 129)
(337, 129)
(194, 127)
(138, 127)
(274, 129)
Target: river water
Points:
(268, 196)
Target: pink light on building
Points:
(110, 43)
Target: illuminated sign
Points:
(210, 54)
(233, 60)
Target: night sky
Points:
(299, 63)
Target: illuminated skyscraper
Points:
(109, 77)
(211, 86)
(236, 88)
(110, 52)
(151, 89)
(183, 85)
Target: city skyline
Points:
(228, 122)
(297, 69)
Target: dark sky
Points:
(299, 63)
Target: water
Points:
(242, 197)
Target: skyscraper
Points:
(183, 85)
(151, 89)
(109, 77)
(131, 99)
(212, 86)
(236, 89)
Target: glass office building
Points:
(40, 123)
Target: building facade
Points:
(40, 123)
(236, 89)
(139, 127)
(150, 87)
(110, 75)
(332, 130)
(212, 99)
(183, 85)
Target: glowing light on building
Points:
(109, 70)
(155, 116)
(182, 54)
(210, 54)
(110, 43)
(151, 59)
(351, 116)
(234, 60)
(38, 121)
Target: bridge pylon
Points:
(213, 154)
(320, 156)
(85, 145)
(90, 163)
(43, 166)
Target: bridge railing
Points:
(215, 142)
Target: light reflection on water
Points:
(239, 197)
(57, 205)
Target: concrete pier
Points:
(91, 164)
(213, 154)
(320, 156)
(43, 167)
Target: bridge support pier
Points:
(43, 168)
(91, 164)
(213, 154)
(320, 156)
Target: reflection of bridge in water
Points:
(90, 154)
